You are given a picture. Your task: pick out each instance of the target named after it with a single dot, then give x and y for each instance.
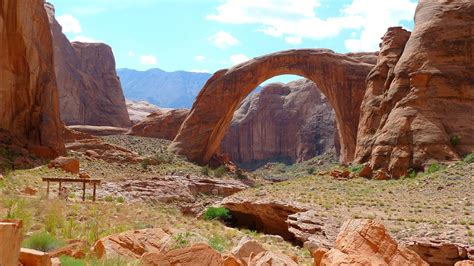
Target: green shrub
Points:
(18, 209)
(68, 261)
(310, 170)
(356, 168)
(205, 170)
(145, 163)
(181, 240)
(469, 158)
(220, 171)
(434, 167)
(42, 241)
(164, 158)
(121, 199)
(411, 173)
(109, 198)
(213, 213)
(218, 243)
(455, 140)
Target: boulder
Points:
(366, 242)
(98, 149)
(163, 124)
(74, 248)
(139, 110)
(197, 255)
(11, 236)
(341, 77)
(440, 252)
(31, 257)
(272, 258)
(29, 107)
(313, 230)
(132, 244)
(247, 248)
(30, 191)
(419, 100)
(290, 122)
(464, 263)
(67, 164)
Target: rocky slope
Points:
(28, 91)
(89, 88)
(285, 122)
(419, 102)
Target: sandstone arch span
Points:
(341, 77)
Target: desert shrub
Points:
(455, 140)
(310, 170)
(356, 168)
(411, 173)
(120, 199)
(240, 174)
(54, 218)
(42, 241)
(218, 243)
(213, 213)
(205, 170)
(164, 158)
(18, 209)
(434, 167)
(220, 171)
(469, 158)
(109, 198)
(145, 163)
(69, 261)
(181, 240)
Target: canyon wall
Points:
(284, 122)
(28, 91)
(90, 92)
(419, 102)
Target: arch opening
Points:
(340, 77)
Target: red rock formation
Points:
(11, 233)
(163, 124)
(139, 110)
(198, 254)
(289, 122)
(419, 103)
(366, 242)
(89, 88)
(440, 252)
(28, 92)
(340, 77)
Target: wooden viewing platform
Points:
(94, 182)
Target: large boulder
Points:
(67, 164)
(288, 122)
(11, 236)
(132, 244)
(198, 254)
(440, 252)
(28, 91)
(163, 124)
(366, 242)
(139, 110)
(420, 96)
(90, 92)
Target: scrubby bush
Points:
(218, 243)
(213, 213)
(180, 240)
(120, 199)
(411, 173)
(68, 261)
(455, 140)
(220, 171)
(356, 168)
(310, 170)
(42, 241)
(205, 170)
(434, 167)
(469, 158)
(145, 163)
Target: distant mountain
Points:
(165, 89)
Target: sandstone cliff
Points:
(28, 92)
(419, 102)
(89, 88)
(286, 122)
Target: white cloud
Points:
(148, 59)
(69, 23)
(200, 70)
(290, 19)
(238, 58)
(81, 38)
(200, 58)
(131, 53)
(223, 39)
(293, 40)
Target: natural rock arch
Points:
(341, 77)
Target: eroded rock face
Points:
(313, 230)
(198, 254)
(139, 110)
(420, 95)
(163, 124)
(28, 92)
(98, 149)
(89, 88)
(287, 122)
(440, 252)
(12, 235)
(366, 242)
(341, 77)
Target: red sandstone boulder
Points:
(271, 258)
(290, 122)
(197, 255)
(163, 124)
(29, 94)
(74, 248)
(366, 242)
(11, 236)
(420, 95)
(247, 248)
(31, 257)
(132, 244)
(440, 252)
(68, 164)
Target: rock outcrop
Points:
(89, 88)
(440, 252)
(420, 97)
(163, 124)
(341, 77)
(139, 110)
(28, 91)
(198, 254)
(11, 235)
(366, 242)
(285, 122)
(99, 130)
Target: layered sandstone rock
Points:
(89, 88)
(28, 92)
(99, 130)
(163, 124)
(287, 122)
(341, 77)
(420, 97)
(98, 149)
(366, 242)
(139, 110)
(12, 236)
(198, 254)
(440, 252)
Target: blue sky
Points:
(207, 35)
